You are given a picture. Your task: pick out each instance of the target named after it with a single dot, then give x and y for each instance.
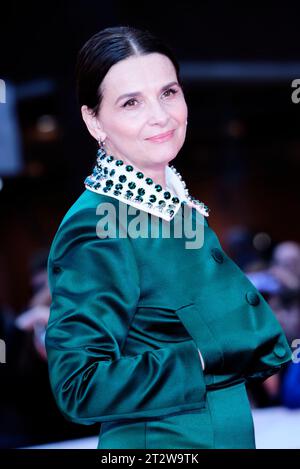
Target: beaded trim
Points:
(113, 177)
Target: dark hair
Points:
(106, 48)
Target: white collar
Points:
(128, 184)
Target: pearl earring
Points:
(101, 143)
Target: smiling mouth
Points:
(161, 136)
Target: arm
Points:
(94, 285)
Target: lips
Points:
(162, 136)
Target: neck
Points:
(157, 174)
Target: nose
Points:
(157, 114)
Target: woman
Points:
(153, 336)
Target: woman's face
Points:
(155, 105)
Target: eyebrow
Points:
(138, 93)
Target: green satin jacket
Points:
(129, 316)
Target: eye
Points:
(129, 101)
(170, 90)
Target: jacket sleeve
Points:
(94, 285)
(241, 323)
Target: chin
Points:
(164, 157)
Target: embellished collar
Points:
(125, 182)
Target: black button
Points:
(252, 298)
(56, 269)
(217, 255)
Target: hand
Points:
(35, 320)
(272, 385)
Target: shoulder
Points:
(87, 202)
(86, 210)
(82, 223)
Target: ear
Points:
(92, 123)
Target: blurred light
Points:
(240, 71)
(46, 123)
(1, 184)
(261, 241)
(36, 88)
(11, 159)
(264, 281)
